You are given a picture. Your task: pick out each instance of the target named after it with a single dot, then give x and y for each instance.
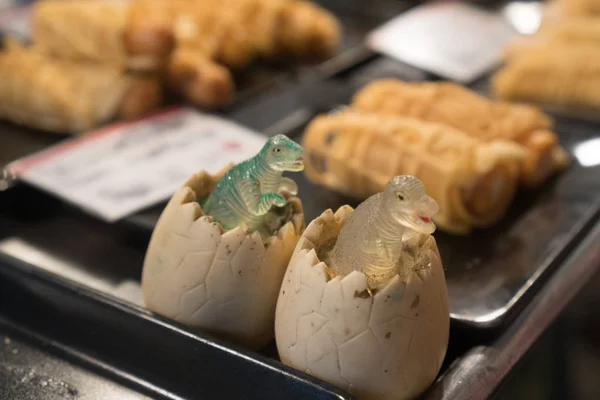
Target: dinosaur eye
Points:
(400, 196)
(276, 150)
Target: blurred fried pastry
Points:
(475, 115)
(201, 26)
(578, 7)
(581, 30)
(357, 153)
(145, 93)
(573, 31)
(304, 30)
(234, 32)
(100, 31)
(286, 28)
(66, 96)
(199, 80)
(191, 41)
(555, 75)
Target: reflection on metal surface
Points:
(453, 379)
(516, 253)
(588, 152)
(128, 290)
(525, 17)
(478, 373)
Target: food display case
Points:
(72, 317)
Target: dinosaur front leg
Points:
(289, 186)
(266, 201)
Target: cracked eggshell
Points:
(225, 283)
(390, 345)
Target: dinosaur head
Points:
(283, 154)
(405, 199)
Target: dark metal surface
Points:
(478, 373)
(29, 370)
(566, 357)
(139, 350)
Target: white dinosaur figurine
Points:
(373, 239)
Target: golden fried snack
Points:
(572, 31)
(64, 96)
(578, 7)
(357, 153)
(475, 115)
(199, 80)
(559, 75)
(522, 45)
(285, 28)
(100, 31)
(581, 30)
(202, 26)
(235, 31)
(144, 94)
(300, 29)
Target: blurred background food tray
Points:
(266, 92)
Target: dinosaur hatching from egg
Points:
(374, 237)
(245, 194)
(370, 315)
(218, 253)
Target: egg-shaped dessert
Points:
(364, 304)
(213, 266)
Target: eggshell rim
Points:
(202, 183)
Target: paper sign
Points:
(454, 40)
(121, 169)
(15, 20)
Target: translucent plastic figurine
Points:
(248, 190)
(373, 239)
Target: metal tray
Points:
(70, 283)
(134, 348)
(29, 371)
(490, 272)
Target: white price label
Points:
(453, 40)
(121, 169)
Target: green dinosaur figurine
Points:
(247, 191)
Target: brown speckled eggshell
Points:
(389, 345)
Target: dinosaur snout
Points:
(431, 206)
(428, 209)
(299, 156)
